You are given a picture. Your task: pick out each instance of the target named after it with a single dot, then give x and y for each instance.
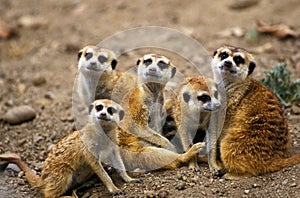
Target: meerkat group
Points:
(127, 114)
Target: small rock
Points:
(21, 174)
(163, 194)
(242, 4)
(5, 31)
(295, 109)
(19, 114)
(181, 186)
(203, 192)
(255, 185)
(49, 95)
(33, 22)
(39, 80)
(21, 88)
(293, 185)
(149, 193)
(247, 192)
(285, 182)
(37, 138)
(14, 167)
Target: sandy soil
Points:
(38, 68)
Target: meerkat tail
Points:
(31, 176)
(279, 164)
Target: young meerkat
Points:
(191, 110)
(97, 77)
(255, 137)
(80, 154)
(144, 105)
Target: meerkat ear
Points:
(215, 52)
(251, 67)
(114, 63)
(173, 72)
(91, 108)
(138, 62)
(186, 97)
(79, 55)
(121, 114)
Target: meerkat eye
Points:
(148, 62)
(111, 110)
(88, 55)
(162, 65)
(223, 55)
(99, 107)
(239, 60)
(204, 98)
(102, 59)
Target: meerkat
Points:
(255, 137)
(97, 77)
(72, 160)
(191, 110)
(144, 105)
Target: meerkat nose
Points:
(152, 70)
(103, 114)
(228, 64)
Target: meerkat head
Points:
(200, 94)
(95, 59)
(155, 68)
(232, 63)
(106, 111)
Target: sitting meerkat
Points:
(144, 105)
(97, 77)
(80, 154)
(197, 97)
(255, 137)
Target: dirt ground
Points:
(38, 68)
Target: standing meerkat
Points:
(80, 154)
(197, 97)
(255, 137)
(144, 105)
(97, 77)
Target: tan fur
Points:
(144, 117)
(77, 156)
(191, 110)
(255, 138)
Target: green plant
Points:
(278, 80)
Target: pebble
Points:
(149, 193)
(293, 185)
(285, 182)
(49, 95)
(19, 114)
(39, 80)
(33, 22)
(163, 194)
(242, 4)
(247, 192)
(14, 167)
(181, 186)
(295, 109)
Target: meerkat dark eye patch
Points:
(79, 55)
(99, 107)
(88, 55)
(223, 55)
(186, 97)
(204, 98)
(238, 60)
(111, 110)
(148, 62)
(162, 65)
(102, 59)
(114, 63)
